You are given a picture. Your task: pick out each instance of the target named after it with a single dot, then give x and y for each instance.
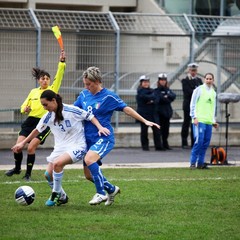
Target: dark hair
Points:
(159, 85)
(37, 73)
(209, 74)
(140, 84)
(49, 95)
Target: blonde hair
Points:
(93, 74)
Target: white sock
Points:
(57, 181)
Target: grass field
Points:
(153, 204)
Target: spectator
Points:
(145, 107)
(164, 98)
(189, 83)
(202, 112)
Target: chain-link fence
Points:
(123, 45)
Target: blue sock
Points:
(97, 178)
(107, 185)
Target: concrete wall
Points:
(130, 137)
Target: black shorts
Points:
(29, 124)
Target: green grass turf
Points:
(153, 204)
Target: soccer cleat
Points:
(27, 178)
(204, 166)
(98, 198)
(111, 196)
(10, 172)
(53, 200)
(192, 167)
(63, 200)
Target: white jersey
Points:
(69, 133)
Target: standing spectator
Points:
(189, 83)
(102, 103)
(33, 108)
(145, 107)
(202, 112)
(164, 98)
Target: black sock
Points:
(18, 160)
(30, 163)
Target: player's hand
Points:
(195, 121)
(27, 109)
(215, 125)
(104, 131)
(17, 148)
(62, 57)
(150, 124)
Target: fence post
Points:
(117, 55)
(38, 28)
(219, 65)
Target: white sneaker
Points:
(98, 198)
(111, 196)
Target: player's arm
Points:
(26, 106)
(60, 73)
(193, 113)
(215, 124)
(19, 146)
(101, 129)
(131, 112)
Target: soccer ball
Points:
(24, 195)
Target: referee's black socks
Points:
(30, 163)
(18, 160)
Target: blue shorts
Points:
(102, 147)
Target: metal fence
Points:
(123, 45)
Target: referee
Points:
(33, 108)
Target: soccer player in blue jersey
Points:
(102, 103)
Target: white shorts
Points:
(76, 154)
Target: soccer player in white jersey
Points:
(65, 122)
(102, 103)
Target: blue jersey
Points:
(101, 105)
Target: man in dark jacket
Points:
(189, 83)
(145, 107)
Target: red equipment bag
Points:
(218, 155)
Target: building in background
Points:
(189, 6)
(149, 40)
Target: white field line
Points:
(124, 165)
(131, 180)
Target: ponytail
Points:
(37, 73)
(49, 95)
(58, 114)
